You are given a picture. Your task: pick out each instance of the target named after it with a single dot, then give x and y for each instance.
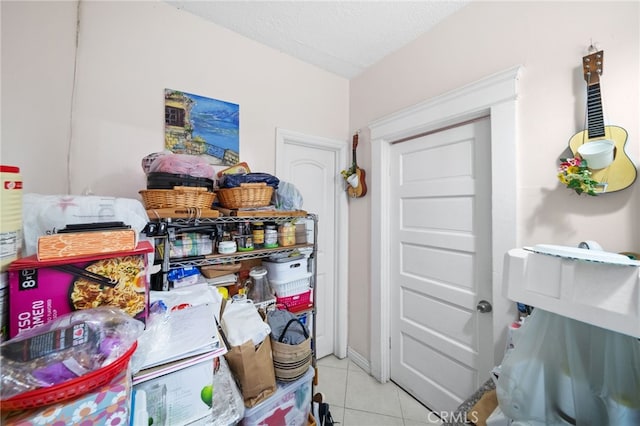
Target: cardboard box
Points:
(106, 405)
(179, 393)
(39, 292)
(74, 244)
(290, 405)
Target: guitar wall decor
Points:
(595, 143)
(360, 190)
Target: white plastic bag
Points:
(46, 213)
(564, 371)
(287, 197)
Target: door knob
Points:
(484, 307)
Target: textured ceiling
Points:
(343, 37)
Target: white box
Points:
(286, 271)
(290, 405)
(600, 293)
(175, 391)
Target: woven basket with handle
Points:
(291, 362)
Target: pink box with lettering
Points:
(40, 291)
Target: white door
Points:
(440, 265)
(313, 164)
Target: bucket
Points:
(10, 215)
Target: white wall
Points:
(549, 40)
(128, 53)
(38, 40)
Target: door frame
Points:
(496, 96)
(340, 249)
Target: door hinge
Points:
(389, 342)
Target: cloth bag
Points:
(291, 356)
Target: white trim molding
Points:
(495, 96)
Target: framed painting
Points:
(198, 125)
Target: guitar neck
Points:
(354, 145)
(595, 118)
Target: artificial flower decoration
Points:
(575, 174)
(348, 172)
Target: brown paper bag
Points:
(253, 369)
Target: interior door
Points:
(313, 167)
(441, 345)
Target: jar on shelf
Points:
(270, 236)
(244, 242)
(257, 232)
(227, 247)
(258, 288)
(286, 234)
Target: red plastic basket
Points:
(69, 389)
(297, 302)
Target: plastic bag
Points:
(228, 404)
(182, 164)
(564, 371)
(68, 347)
(149, 159)
(42, 214)
(287, 197)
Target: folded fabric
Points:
(293, 335)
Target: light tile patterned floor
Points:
(357, 399)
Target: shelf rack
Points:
(213, 259)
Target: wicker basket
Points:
(246, 195)
(179, 196)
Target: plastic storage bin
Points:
(296, 302)
(290, 405)
(291, 287)
(286, 271)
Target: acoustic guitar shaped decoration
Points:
(360, 190)
(613, 172)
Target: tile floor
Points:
(357, 399)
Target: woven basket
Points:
(179, 196)
(246, 195)
(290, 362)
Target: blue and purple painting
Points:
(203, 126)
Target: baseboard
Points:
(358, 360)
